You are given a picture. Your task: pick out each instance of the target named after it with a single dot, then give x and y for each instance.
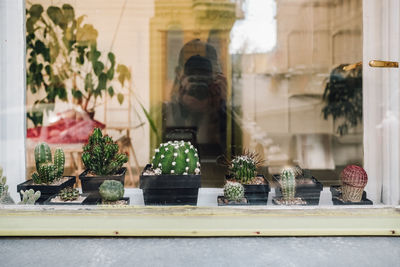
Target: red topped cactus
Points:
(354, 179)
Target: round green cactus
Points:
(101, 156)
(111, 190)
(68, 194)
(47, 171)
(177, 157)
(233, 191)
(288, 184)
(244, 167)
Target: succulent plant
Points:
(47, 171)
(177, 157)
(354, 178)
(288, 184)
(111, 190)
(100, 154)
(29, 197)
(233, 191)
(244, 167)
(68, 194)
(4, 195)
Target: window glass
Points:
(272, 83)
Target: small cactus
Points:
(288, 184)
(68, 194)
(244, 167)
(47, 171)
(233, 191)
(111, 190)
(354, 178)
(177, 157)
(29, 197)
(100, 154)
(4, 195)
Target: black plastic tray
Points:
(170, 189)
(308, 192)
(220, 200)
(46, 191)
(86, 201)
(91, 184)
(256, 194)
(336, 194)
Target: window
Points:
(286, 83)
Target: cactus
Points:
(29, 197)
(233, 191)
(111, 190)
(177, 157)
(68, 194)
(288, 184)
(100, 156)
(354, 179)
(47, 171)
(4, 195)
(244, 167)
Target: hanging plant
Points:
(62, 48)
(343, 98)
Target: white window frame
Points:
(381, 160)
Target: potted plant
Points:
(173, 178)
(112, 193)
(5, 197)
(68, 196)
(29, 197)
(102, 162)
(351, 192)
(307, 187)
(48, 179)
(243, 169)
(233, 194)
(287, 184)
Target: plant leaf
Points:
(56, 15)
(150, 120)
(88, 82)
(102, 83)
(111, 91)
(124, 73)
(98, 67)
(86, 34)
(36, 11)
(120, 98)
(69, 13)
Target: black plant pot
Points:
(308, 192)
(337, 193)
(223, 202)
(84, 202)
(46, 191)
(256, 194)
(91, 184)
(170, 189)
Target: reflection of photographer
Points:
(199, 96)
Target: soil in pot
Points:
(47, 190)
(56, 200)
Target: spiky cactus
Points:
(111, 190)
(4, 195)
(177, 157)
(101, 156)
(68, 194)
(233, 191)
(47, 171)
(29, 197)
(288, 184)
(244, 167)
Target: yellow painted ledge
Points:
(199, 221)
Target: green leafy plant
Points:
(177, 157)
(343, 98)
(100, 155)
(111, 190)
(47, 170)
(62, 48)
